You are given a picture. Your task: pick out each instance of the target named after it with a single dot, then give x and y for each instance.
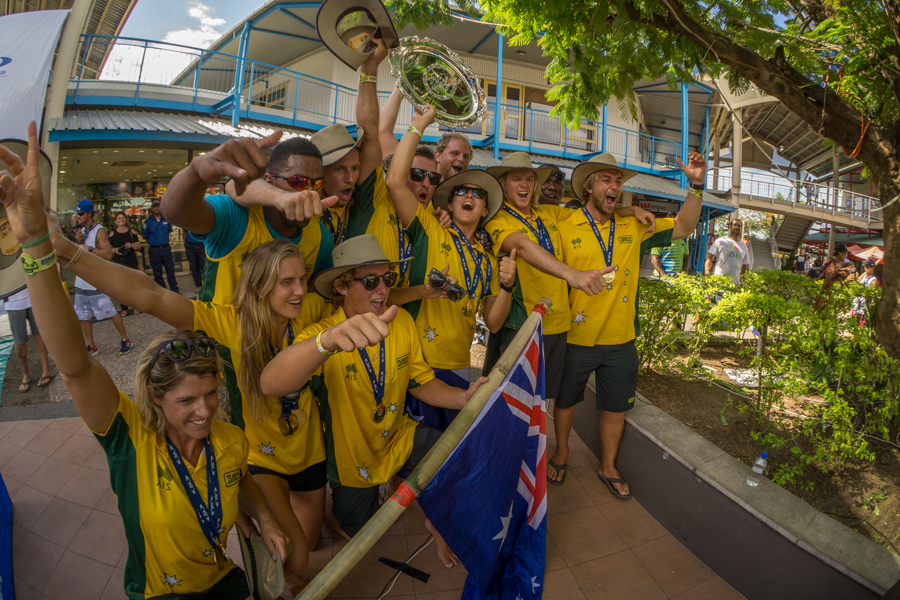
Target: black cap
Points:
(155, 202)
(841, 247)
(869, 262)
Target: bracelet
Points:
(509, 289)
(414, 130)
(36, 265)
(75, 257)
(363, 78)
(321, 348)
(36, 242)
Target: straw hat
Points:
(521, 160)
(12, 276)
(347, 27)
(355, 252)
(334, 142)
(600, 162)
(483, 179)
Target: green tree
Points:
(835, 63)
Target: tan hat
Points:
(601, 162)
(483, 179)
(334, 142)
(347, 27)
(355, 252)
(521, 160)
(264, 575)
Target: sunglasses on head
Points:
(556, 176)
(301, 183)
(178, 350)
(418, 175)
(439, 281)
(477, 192)
(370, 282)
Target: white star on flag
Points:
(534, 584)
(504, 521)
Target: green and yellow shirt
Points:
(335, 222)
(445, 327)
(362, 453)
(168, 553)
(609, 317)
(269, 448)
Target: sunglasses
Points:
(556, 176)
(439, 281)
(370, 282)
(477, 192)
(81, 214)
(418, 175)
(179, 350)
(301, 183)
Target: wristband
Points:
(363, 78)
(36, 242)
(321, 348)
(414, 130)
(509, 289)
(36, 265)
(75, 257)
(698, 186)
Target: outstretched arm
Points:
(93, 391)
(590, 282)
(387, 122)
(437, 393)
(405, 201)
(687, 217)
(296, 206)
(367, 112)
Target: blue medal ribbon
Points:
(540, 234)
(405, 249)
(377, 383)
(339, 234)
(477, 258)
(290, 403)
(607, 251)
(209, 515)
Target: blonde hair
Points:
(346, 278)
(588, 184)
(450, 136)
(166, 374)
(259, 276)
(535, 196)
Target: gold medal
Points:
(609, 277)
(219, 553)
(379, 414)
(299, 418)
(289, 424)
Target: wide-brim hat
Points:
(342, 22)
(355, 252)
(334, 142)
(601, 162)
(12, 275)
(483, 179)
(264, 575)
(521, 160)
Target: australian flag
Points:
(489, 500)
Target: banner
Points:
(27, 44)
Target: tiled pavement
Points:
(69, 543)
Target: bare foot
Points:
(614, 474)
(560, 459)
(445, 554)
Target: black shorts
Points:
(353, 507)
(615, 368)
(554, 357)
(231, 587)
(307, 480)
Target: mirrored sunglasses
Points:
(477, 192)
(301, 183)
(178, 350)
(556, 176)
(439, 281)
(418, 175)
(370, 282)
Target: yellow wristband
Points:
(363, 78)
(414, 130)
(36, 265)
(321, 348)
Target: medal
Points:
(609, 277)
(607, 250)
(379, 414)
(219, 553)
(472, 282)
(377, 382)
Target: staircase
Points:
(792, 232)
(762, 255)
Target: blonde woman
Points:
(180, 474)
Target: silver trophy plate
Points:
(428, 72)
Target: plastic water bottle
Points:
(756, 473)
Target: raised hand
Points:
(370, 66)
(241, 159)
(695, 170)
(302, 206)
(508, 269)
(432, 293)
(22, 193)
(421, 120)
(359, 331)
(590, 282)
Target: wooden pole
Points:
(362, 542)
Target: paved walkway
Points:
(69, 543)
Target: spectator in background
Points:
(801, 263)
(839, 268)
(749, 250)
(126, 245)
(552, 190)
(671, 260)
(18, 307)
(156, 232)
(869, 278)
(730, 254)
(196, 257)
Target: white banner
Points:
(27, 44)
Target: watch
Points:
(505, 288)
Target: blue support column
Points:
(685, 128)
(603, 135)
(239, 74)
(498, 95)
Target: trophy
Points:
(427, 72)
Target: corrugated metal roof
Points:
(643, 183)
(482, 159)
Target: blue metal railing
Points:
(205, 81)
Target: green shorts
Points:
(615, 368)
(353, 507)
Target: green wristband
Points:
(36, 242)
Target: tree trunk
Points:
(887, 322)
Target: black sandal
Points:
(558, 469)
(46, 380)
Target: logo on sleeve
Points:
(232, 477)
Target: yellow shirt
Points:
(337, 224)
(221, 274)
(168, 553)
(609, 317)
(531, 283)
(269, 449)
(361, 452)
(445, 327)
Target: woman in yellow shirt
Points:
(180, 473)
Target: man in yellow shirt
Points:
(604, 325)
(361, 361)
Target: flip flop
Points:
(558, 469)
(609, 483)
(46, 379)
(24, 387)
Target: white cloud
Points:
(205, 35)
